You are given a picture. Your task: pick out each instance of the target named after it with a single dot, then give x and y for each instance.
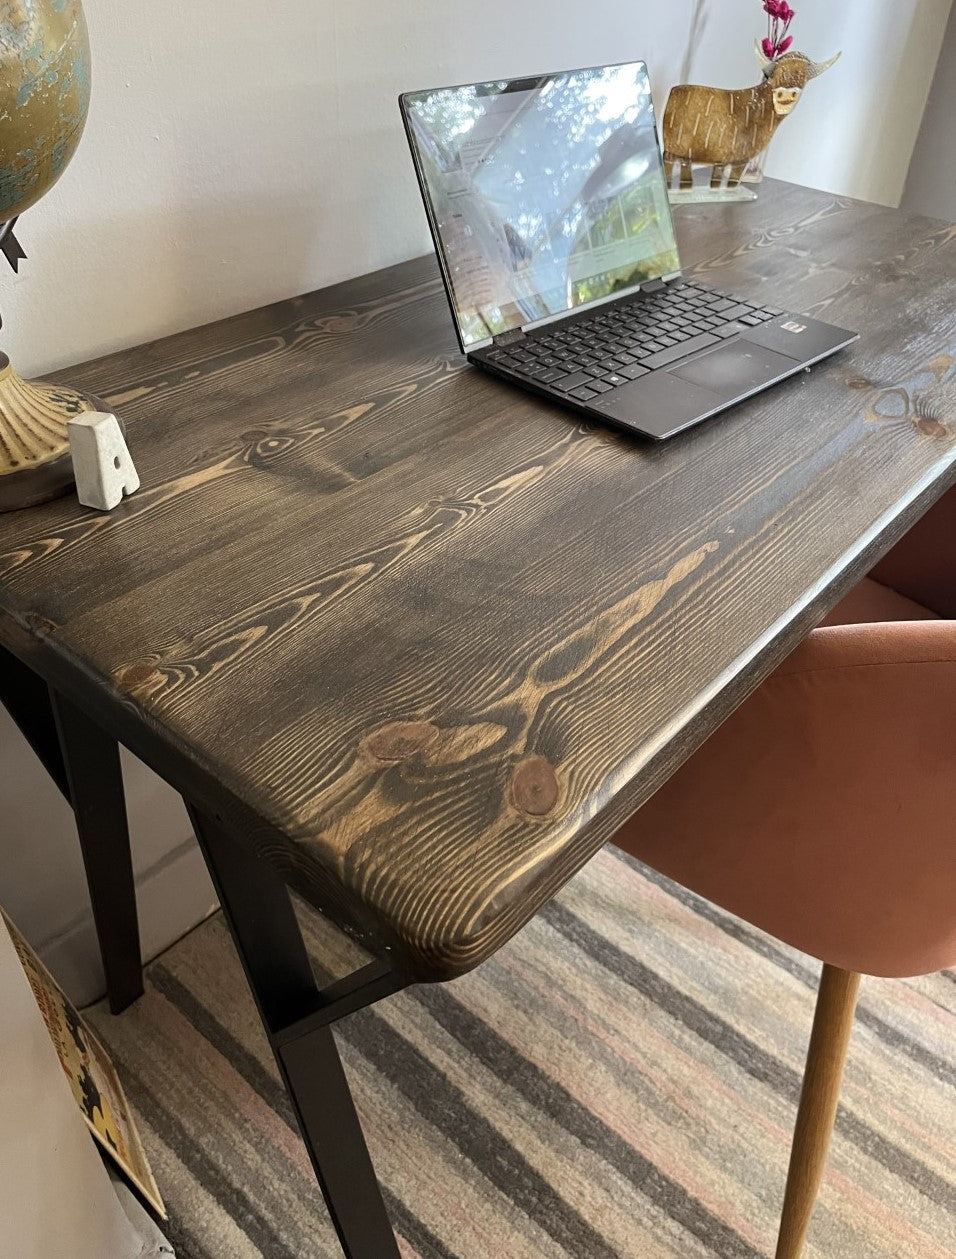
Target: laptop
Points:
(548, 206)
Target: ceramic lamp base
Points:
(35, 463)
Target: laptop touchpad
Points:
(735, 369)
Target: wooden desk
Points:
(415, 643)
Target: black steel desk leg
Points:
(296, 1016)
(26, 698)
(95, 782)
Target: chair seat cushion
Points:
(870, 601)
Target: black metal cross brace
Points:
(297, 1016)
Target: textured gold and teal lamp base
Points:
(35, 462)
(44, 99)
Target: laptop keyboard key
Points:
(567, 384)
(594, 354)
(682, 348)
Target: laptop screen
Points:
(544, 194)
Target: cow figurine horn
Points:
(820, 66)
(816, 67)
(765, 61)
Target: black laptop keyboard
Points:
(604, 351)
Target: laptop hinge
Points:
(506, 338)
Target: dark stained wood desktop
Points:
(425, 641)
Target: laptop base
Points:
(691, 381)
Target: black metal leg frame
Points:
(297, 1016)
(83, 762)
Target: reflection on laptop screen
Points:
(545, 193)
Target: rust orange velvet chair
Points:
(824, 811)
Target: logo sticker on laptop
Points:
(792, 326)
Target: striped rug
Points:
(618, 1083)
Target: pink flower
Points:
(779, 17)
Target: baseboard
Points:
(173, 896)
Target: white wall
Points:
(238, 153)
(855, 130)
(931, 182)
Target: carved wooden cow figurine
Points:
(725, 129)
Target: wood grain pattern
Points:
(425, 641)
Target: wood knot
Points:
(534, 787)
(401, 740)
(136, 675)
(928, 417)
(268, 447)
(40, 625)
(859, 382)
(930, 427)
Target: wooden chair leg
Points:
(819, 1097)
